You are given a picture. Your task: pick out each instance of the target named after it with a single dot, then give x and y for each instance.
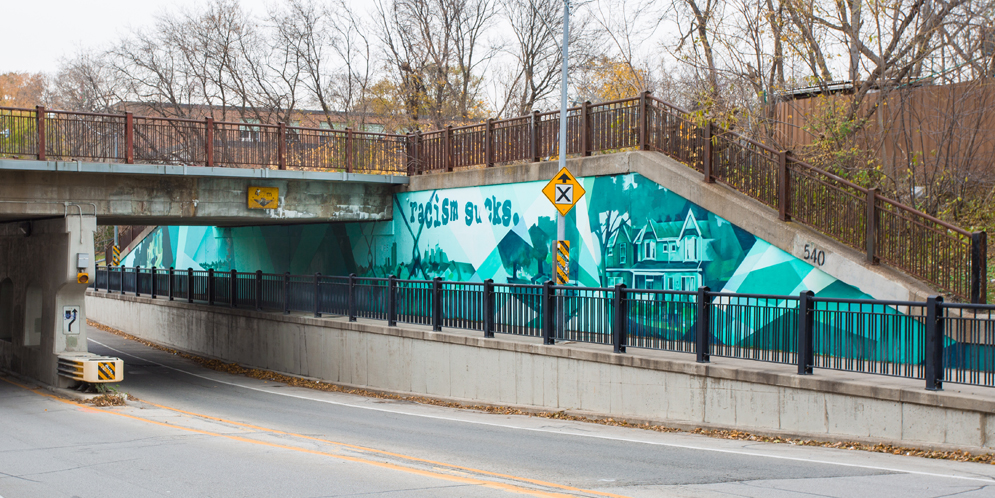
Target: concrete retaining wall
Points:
(642, 385)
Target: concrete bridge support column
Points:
(42, 309)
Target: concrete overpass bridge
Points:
(129, 169)
(152, 194)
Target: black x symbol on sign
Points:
(564, 194)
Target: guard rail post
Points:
(259, 290)
(548, 312)
(348, 151)
(210, 286)
(934, 343)
(120, 270)
(281, 145)
(703, 326)
(489, 143)
(534, 148)
(209, 141)
(620, 319)
(172, 282)
(806, 333)
(129, 138)
(40, 128)
(644, 132)
(352, 297)
(189, 285)
(783, 187)
(317, 295)
(391, 301)
(979, 267)
(585, 128)
(489, 298)
(419, 168)
(286, 293)
(871, 226)
(437, 304)
(233, 289)
(706, 162)
(152, 289)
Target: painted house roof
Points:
(625, 232)
(674, 229)
(667, 230)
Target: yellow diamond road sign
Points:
(563, 191)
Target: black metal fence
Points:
(933, 341)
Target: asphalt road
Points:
(198, 432)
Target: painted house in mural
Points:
(661, 255)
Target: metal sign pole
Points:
(561, 221)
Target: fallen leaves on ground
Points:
(236, 369)
(104, 400)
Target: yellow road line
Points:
(425, 473)
(388, 453)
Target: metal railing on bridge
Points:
(946, 256)
(933, 340)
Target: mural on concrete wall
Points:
(627, 229)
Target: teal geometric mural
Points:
(626, 229)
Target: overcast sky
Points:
(42, 31)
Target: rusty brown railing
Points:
(929, 249)
(50, 134)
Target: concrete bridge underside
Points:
(130, 194)
(50, 209)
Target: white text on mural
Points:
(441, 212)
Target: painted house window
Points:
(691, 249)
(621, 254)
(649, 250)
(689, 283)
